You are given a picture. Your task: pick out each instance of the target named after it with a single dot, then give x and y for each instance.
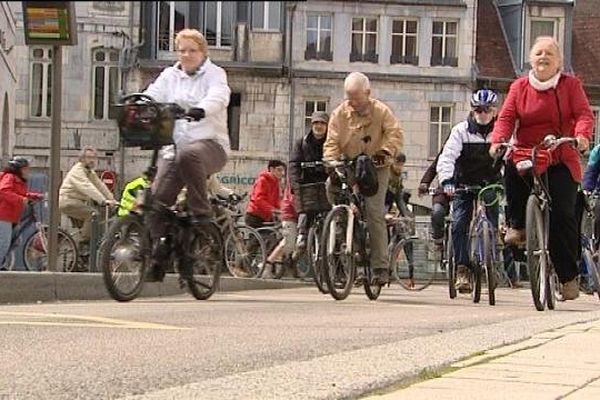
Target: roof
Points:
(586, 41)
(492, 53)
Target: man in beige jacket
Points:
(362, 124)
(80, 187)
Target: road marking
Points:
(85, 321)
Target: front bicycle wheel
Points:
(338, 260)
(410, 264)
(124, 259)
(35, 251)
(449, 261)
(488, 262)
(204, 261)
(536, 252)
(315, 254)
(245, 251)
(593, 270)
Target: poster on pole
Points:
(49, 23)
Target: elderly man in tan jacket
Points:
(362, 124)
(80, 187)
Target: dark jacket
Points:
(307, 148)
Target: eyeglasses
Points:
(480, 110)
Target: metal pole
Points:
(55, 156)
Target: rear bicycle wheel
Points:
(205, 259)
(271, 237)
(593, 272)
(488, 262)
(536, 252)
(123, 260)
(245, 249)
(315, 255)
(35, 251)
(337, 261)
(410, 265)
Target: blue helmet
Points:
(484, 98)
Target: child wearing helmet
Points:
(13, 198)
(465, 160)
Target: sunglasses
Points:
(480, 110)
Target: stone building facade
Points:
(8, 79)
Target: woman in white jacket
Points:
(202, 145)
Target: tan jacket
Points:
(347, 129)
(83, 184)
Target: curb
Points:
(32, 287)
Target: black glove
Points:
(423, 189)
(196, 113)
(380, 157)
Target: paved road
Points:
(259, 344)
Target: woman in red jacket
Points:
(13, 197)
(547, 101)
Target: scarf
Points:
(541, 86)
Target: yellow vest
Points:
(129, 194)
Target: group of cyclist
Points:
(545, 101)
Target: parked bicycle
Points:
(193, 248)
(35, 247)
(589, 247)
(345, 240)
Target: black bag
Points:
(366, 176)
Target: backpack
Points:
(366, 175)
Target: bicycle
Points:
(271, 235)
(542, 276)
(35, 248)
(238, 237)
(345, 240)
(589, 248)
(193, 248)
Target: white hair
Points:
(357, 80)
(84, 150)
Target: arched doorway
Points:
(4, 150)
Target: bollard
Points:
(92, 260)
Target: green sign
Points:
(49, 22)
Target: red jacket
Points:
(265, 196)
(288, 208)
(13, 190)
(537, 115)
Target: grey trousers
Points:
(193, 163)
(80, 213)
(375, 210)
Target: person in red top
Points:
(547, 101)
(13, 198)
(266, 194)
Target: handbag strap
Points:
(560, 121)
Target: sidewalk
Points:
(560, 364)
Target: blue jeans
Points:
(462, 214)
(5, 237)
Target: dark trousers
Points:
(563, 240)
(441, 207)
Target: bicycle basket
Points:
(311, 197)
(522, 158)
(146, 124)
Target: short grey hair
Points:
(85, 149)
(357, 80)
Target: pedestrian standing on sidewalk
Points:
(547, 101)
(13, 198)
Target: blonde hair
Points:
(194, 35)
(554, 44)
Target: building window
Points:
(266, 15)
(364, 40)
(233, 120)
(596, 127)
(218, 23)
(105, 81)
(310, 106)
(542, 27)
(444, 43)
(404, 42)
(318, 38)
(440, 125)
(41, 82)
(172, 16)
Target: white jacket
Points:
(83, 184)
(207, 89)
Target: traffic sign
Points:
(109, 178)
(49, 22)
